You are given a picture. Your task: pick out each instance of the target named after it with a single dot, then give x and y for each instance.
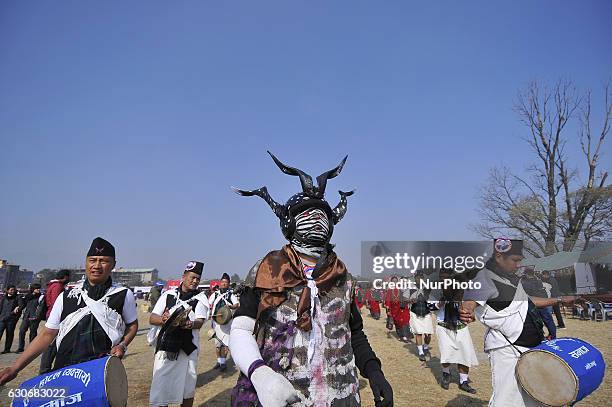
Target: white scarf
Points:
(110, 320)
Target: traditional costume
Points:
(454, 339)
(372, 301)
(218, 300)
(360, 299)
(420, 313)
(309, 340)
(176, 348)
(91, 319)
(512, 321)
(399, 312)
(421, 323)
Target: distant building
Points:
(11, 274)
(45, 275)
(135, 277)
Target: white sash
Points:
(111, 322)
(506, 322)
(154, 330)
(218, 298)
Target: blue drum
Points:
(97, 383)
(561, 372)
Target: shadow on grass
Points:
(212, 373)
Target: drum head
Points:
(222, 315)
(115, 382)
(547, 378)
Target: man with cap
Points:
(223, 297)
(511, 317)
(298, 337)
(180, 312)
(88, 321)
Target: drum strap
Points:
(513, 345)
(504, 335)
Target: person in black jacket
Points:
(9, 315)
(533, 286)
(554, 292)
(32, 307)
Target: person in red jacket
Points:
(372, 303)
(398, 311)
(54, 289)
(360, 299)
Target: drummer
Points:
(220, 298)
(511, 317)
(177, 349)
(89, 321)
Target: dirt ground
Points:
(414, 383)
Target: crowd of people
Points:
(32, 307)
(415, 314)
(296, 331)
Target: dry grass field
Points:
(414, 383)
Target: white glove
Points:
(242, 343)
(273, 389)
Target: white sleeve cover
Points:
(242, 343)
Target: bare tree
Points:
(550, 205)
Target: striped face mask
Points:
(311, 232)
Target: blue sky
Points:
(132, 120)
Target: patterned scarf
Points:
(282, 270)
(311, 232)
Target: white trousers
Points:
(506, 390)
(456, 346)
(421, 325)
(173, 380)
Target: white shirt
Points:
(129, 313)
(200, 311)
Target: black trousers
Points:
(47, 358)
(32, 325)
(9, 327)
(559, 316)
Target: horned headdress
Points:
(312, 196)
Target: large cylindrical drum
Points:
(561, 372)
(97, 383)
